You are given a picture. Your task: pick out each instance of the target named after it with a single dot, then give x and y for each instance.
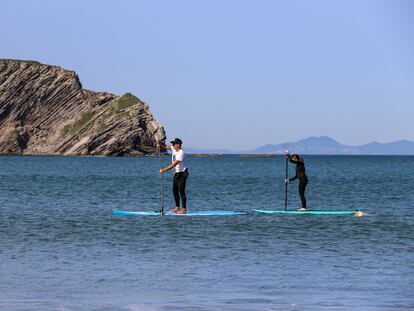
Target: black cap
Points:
(176, 141)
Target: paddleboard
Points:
(199, 213)
(314, 212)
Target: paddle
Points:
(286, 177)
(162, 183)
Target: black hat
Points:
(176, 141)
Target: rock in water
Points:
(45, 111)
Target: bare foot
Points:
(174, 209)
(181, 211)
(302, 209)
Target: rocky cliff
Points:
(45, 111)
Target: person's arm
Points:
(163, 146)
(288, 156)
(293, 178)
(167, 168)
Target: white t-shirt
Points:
(179, 155)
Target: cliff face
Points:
(44, 110)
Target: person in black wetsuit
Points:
(301, 175)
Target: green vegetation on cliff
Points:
(127, 100)
(77, 125)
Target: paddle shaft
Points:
(286, 177)
(162, 184)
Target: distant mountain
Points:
(399, 147)
(324, 145)
(311, 145)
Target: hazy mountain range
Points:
(322, 145)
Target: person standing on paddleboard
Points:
(301, 175)
(181, 173)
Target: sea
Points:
(62, 249)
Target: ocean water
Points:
(62, 249)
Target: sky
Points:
(235, 74)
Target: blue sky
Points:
(231, 73)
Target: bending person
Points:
(301, 175)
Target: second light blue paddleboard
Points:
(199, 213)
(314, 212)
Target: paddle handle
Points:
(286, 177)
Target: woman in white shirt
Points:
(181, 173)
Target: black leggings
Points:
(178, 189)
(302, 186)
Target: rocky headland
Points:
(45, 111)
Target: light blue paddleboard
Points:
(199, 213)
(314, 212)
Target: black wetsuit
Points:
(303, 179)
